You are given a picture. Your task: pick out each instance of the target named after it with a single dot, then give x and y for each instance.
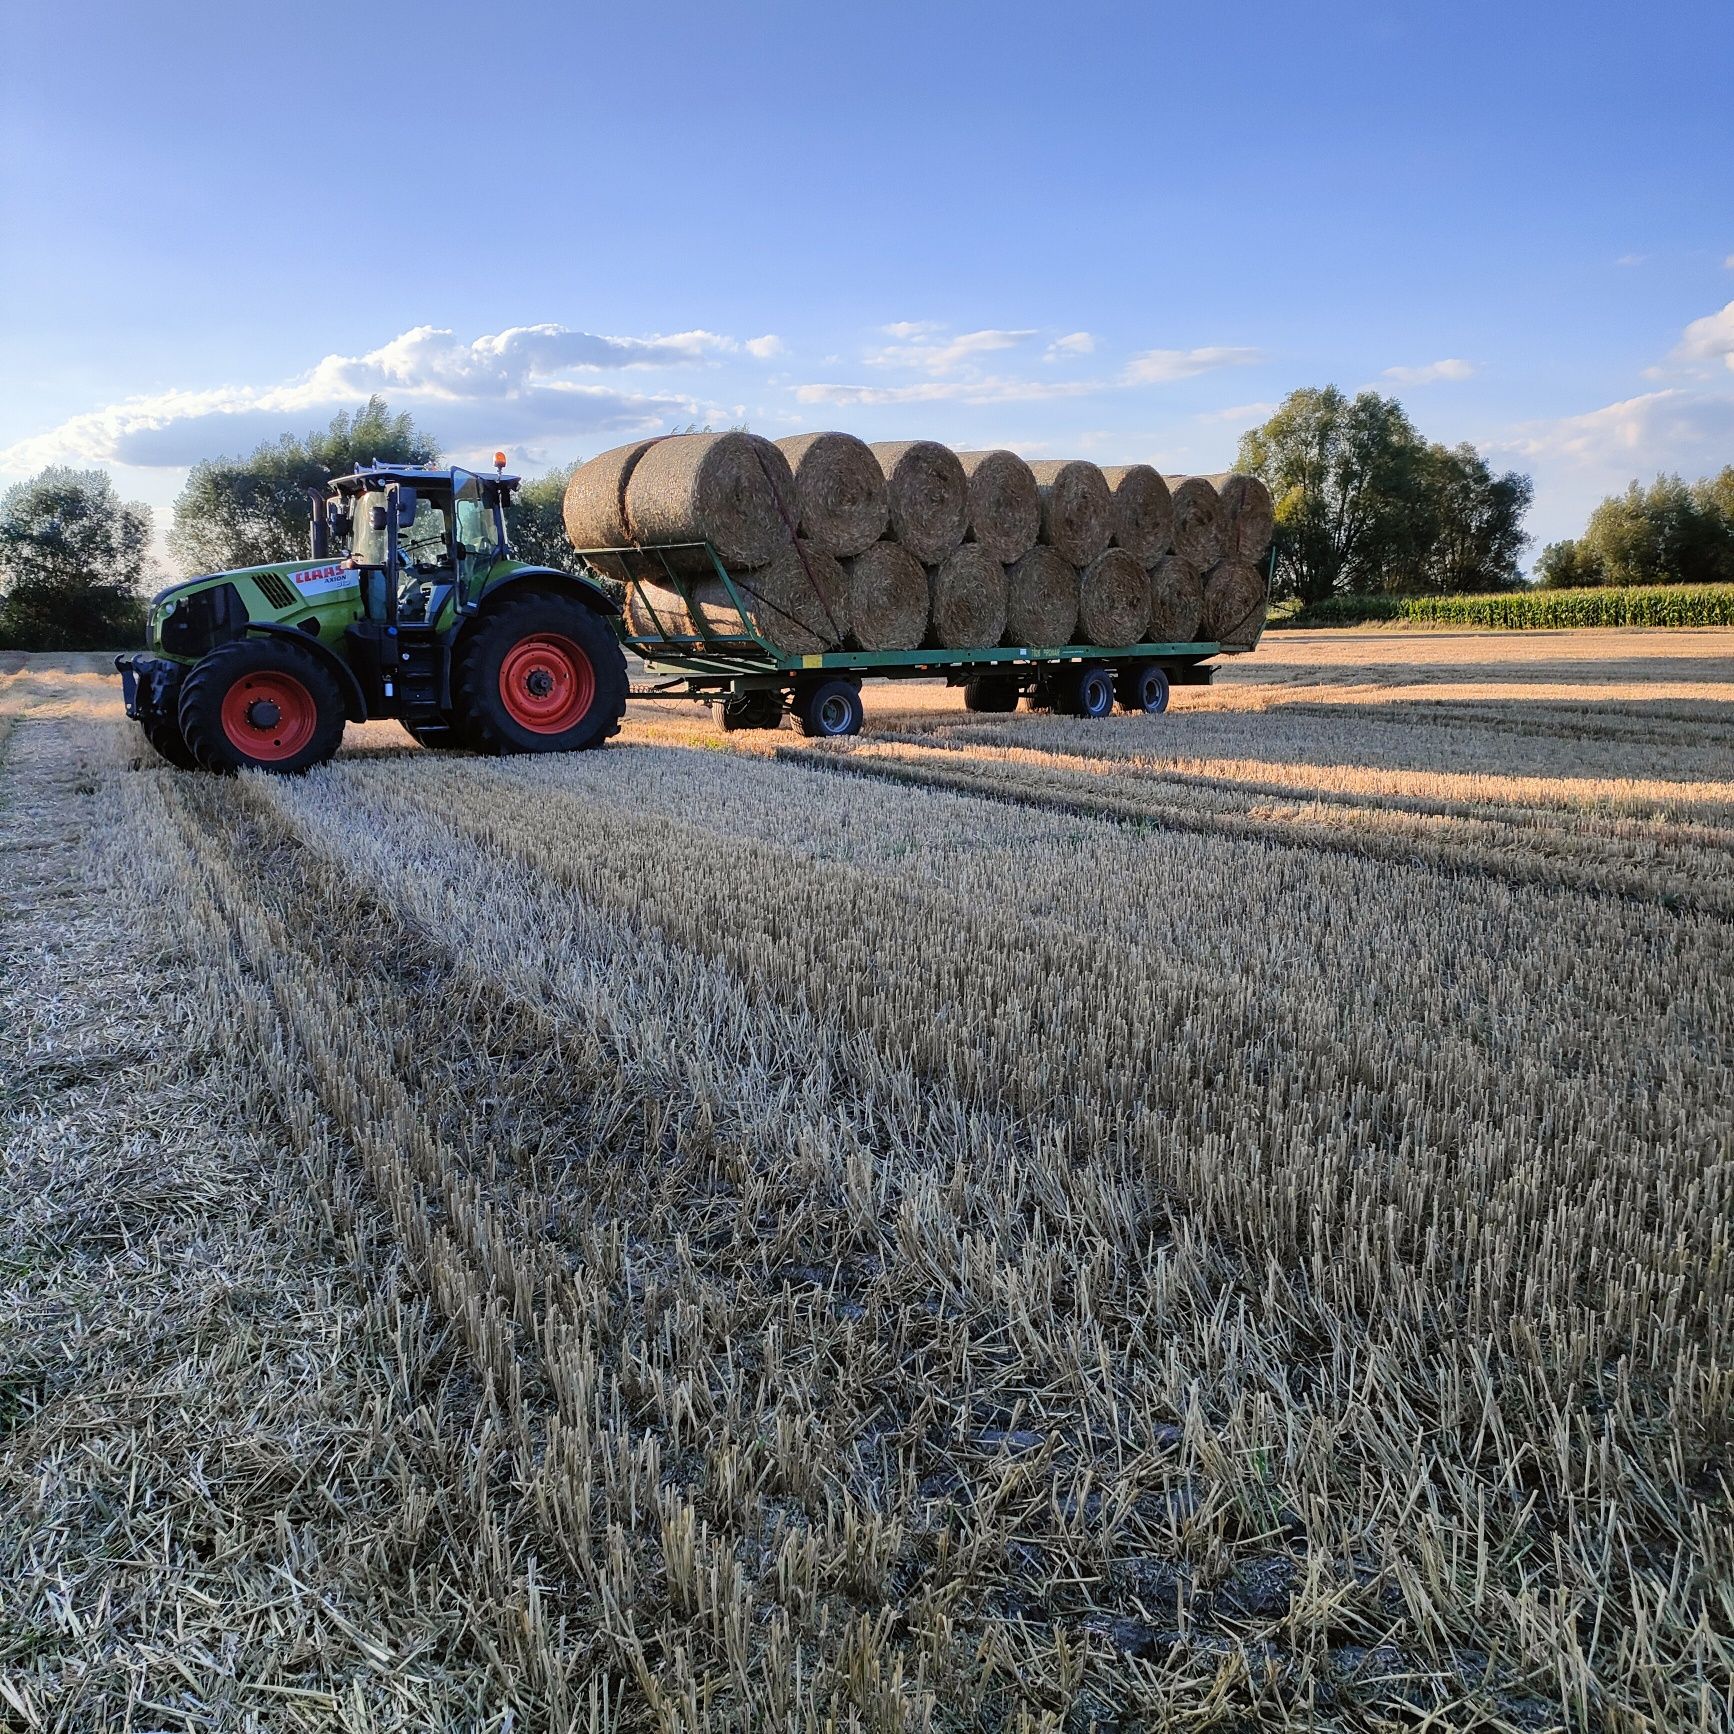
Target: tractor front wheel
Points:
(164, 734)
(540, 674)
(261, 704)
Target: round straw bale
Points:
(595, 504)
(1234, 604)
(1143, 511)
(733, 490)
(839, 491)
(799, 602)
(887, 597)
(928, 496)
(968, 592)
(1176, 601)
(1041, 599)
(1005, 511)
(1077, 509)
(1248, 516)
(1113, 600)
(1197, 520)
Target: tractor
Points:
(411, 605)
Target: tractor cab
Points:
(424, 540)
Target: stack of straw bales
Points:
(835, 544)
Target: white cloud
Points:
(1452, 367)
(1160, 366)
(1728, 263)
(1247, 412)
(1074, 343)
(526, 382)
(1629, 259)
(1710, 338)
(931, 353)
(905, 329)
(988, 390)
(765, 348)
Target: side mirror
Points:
(405, 508)
(376, 518)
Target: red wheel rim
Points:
(546, 683)
(269, 716)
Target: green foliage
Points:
(1532, 610)
(1567, 565)
(1667, 533)
(536, 524)
(1364, 504)
(251, 511)
(74, 561)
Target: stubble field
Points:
(1219, 1221)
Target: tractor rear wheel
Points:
(540, 674)
(164, 734)
(261, 704)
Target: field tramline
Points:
(1218, 1221)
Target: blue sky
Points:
(1121, 232)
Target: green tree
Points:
(1568, 565)
(1345, 477)
(536, 522)
(1364, 504)
(74, 562)
(1667, 533)
(250, 511)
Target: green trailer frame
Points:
(702, 665)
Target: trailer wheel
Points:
(830, 709)
(748, 710)
(1086, 691)
(990, 692)
(1142, 686)
(539, 674)
(261, 704)
(164, 734)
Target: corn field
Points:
(1218, 1221)
(1533, 610)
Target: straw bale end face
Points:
(1005, 508)
(1234, 604)
(968, 599)
(1077, 508)
(1176, 601)
(733, 490)
(1143, 511)
(1041, 600)
(1197, 520)
(839, 490)
(1113, 600)
(888, 601)
(927, 494)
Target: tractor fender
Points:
(354, 703)
(593, 596)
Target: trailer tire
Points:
(539, 673)
(261, 704)
(748, 710)
(990, 692)
(164, 735)
(831, 709)
(1086, 691)
(1142, 686)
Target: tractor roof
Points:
(425, 478)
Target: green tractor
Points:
(411, 606)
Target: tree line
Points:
(1364, 506)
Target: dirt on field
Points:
(1210, 1221)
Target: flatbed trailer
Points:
(750, 682)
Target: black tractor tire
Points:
(164, 734)
(539, 674)
(261, 704)
(748, 710)
(830, 710)
(990, 692)
(440, 735)
(1142, 686)
(1086, 691)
